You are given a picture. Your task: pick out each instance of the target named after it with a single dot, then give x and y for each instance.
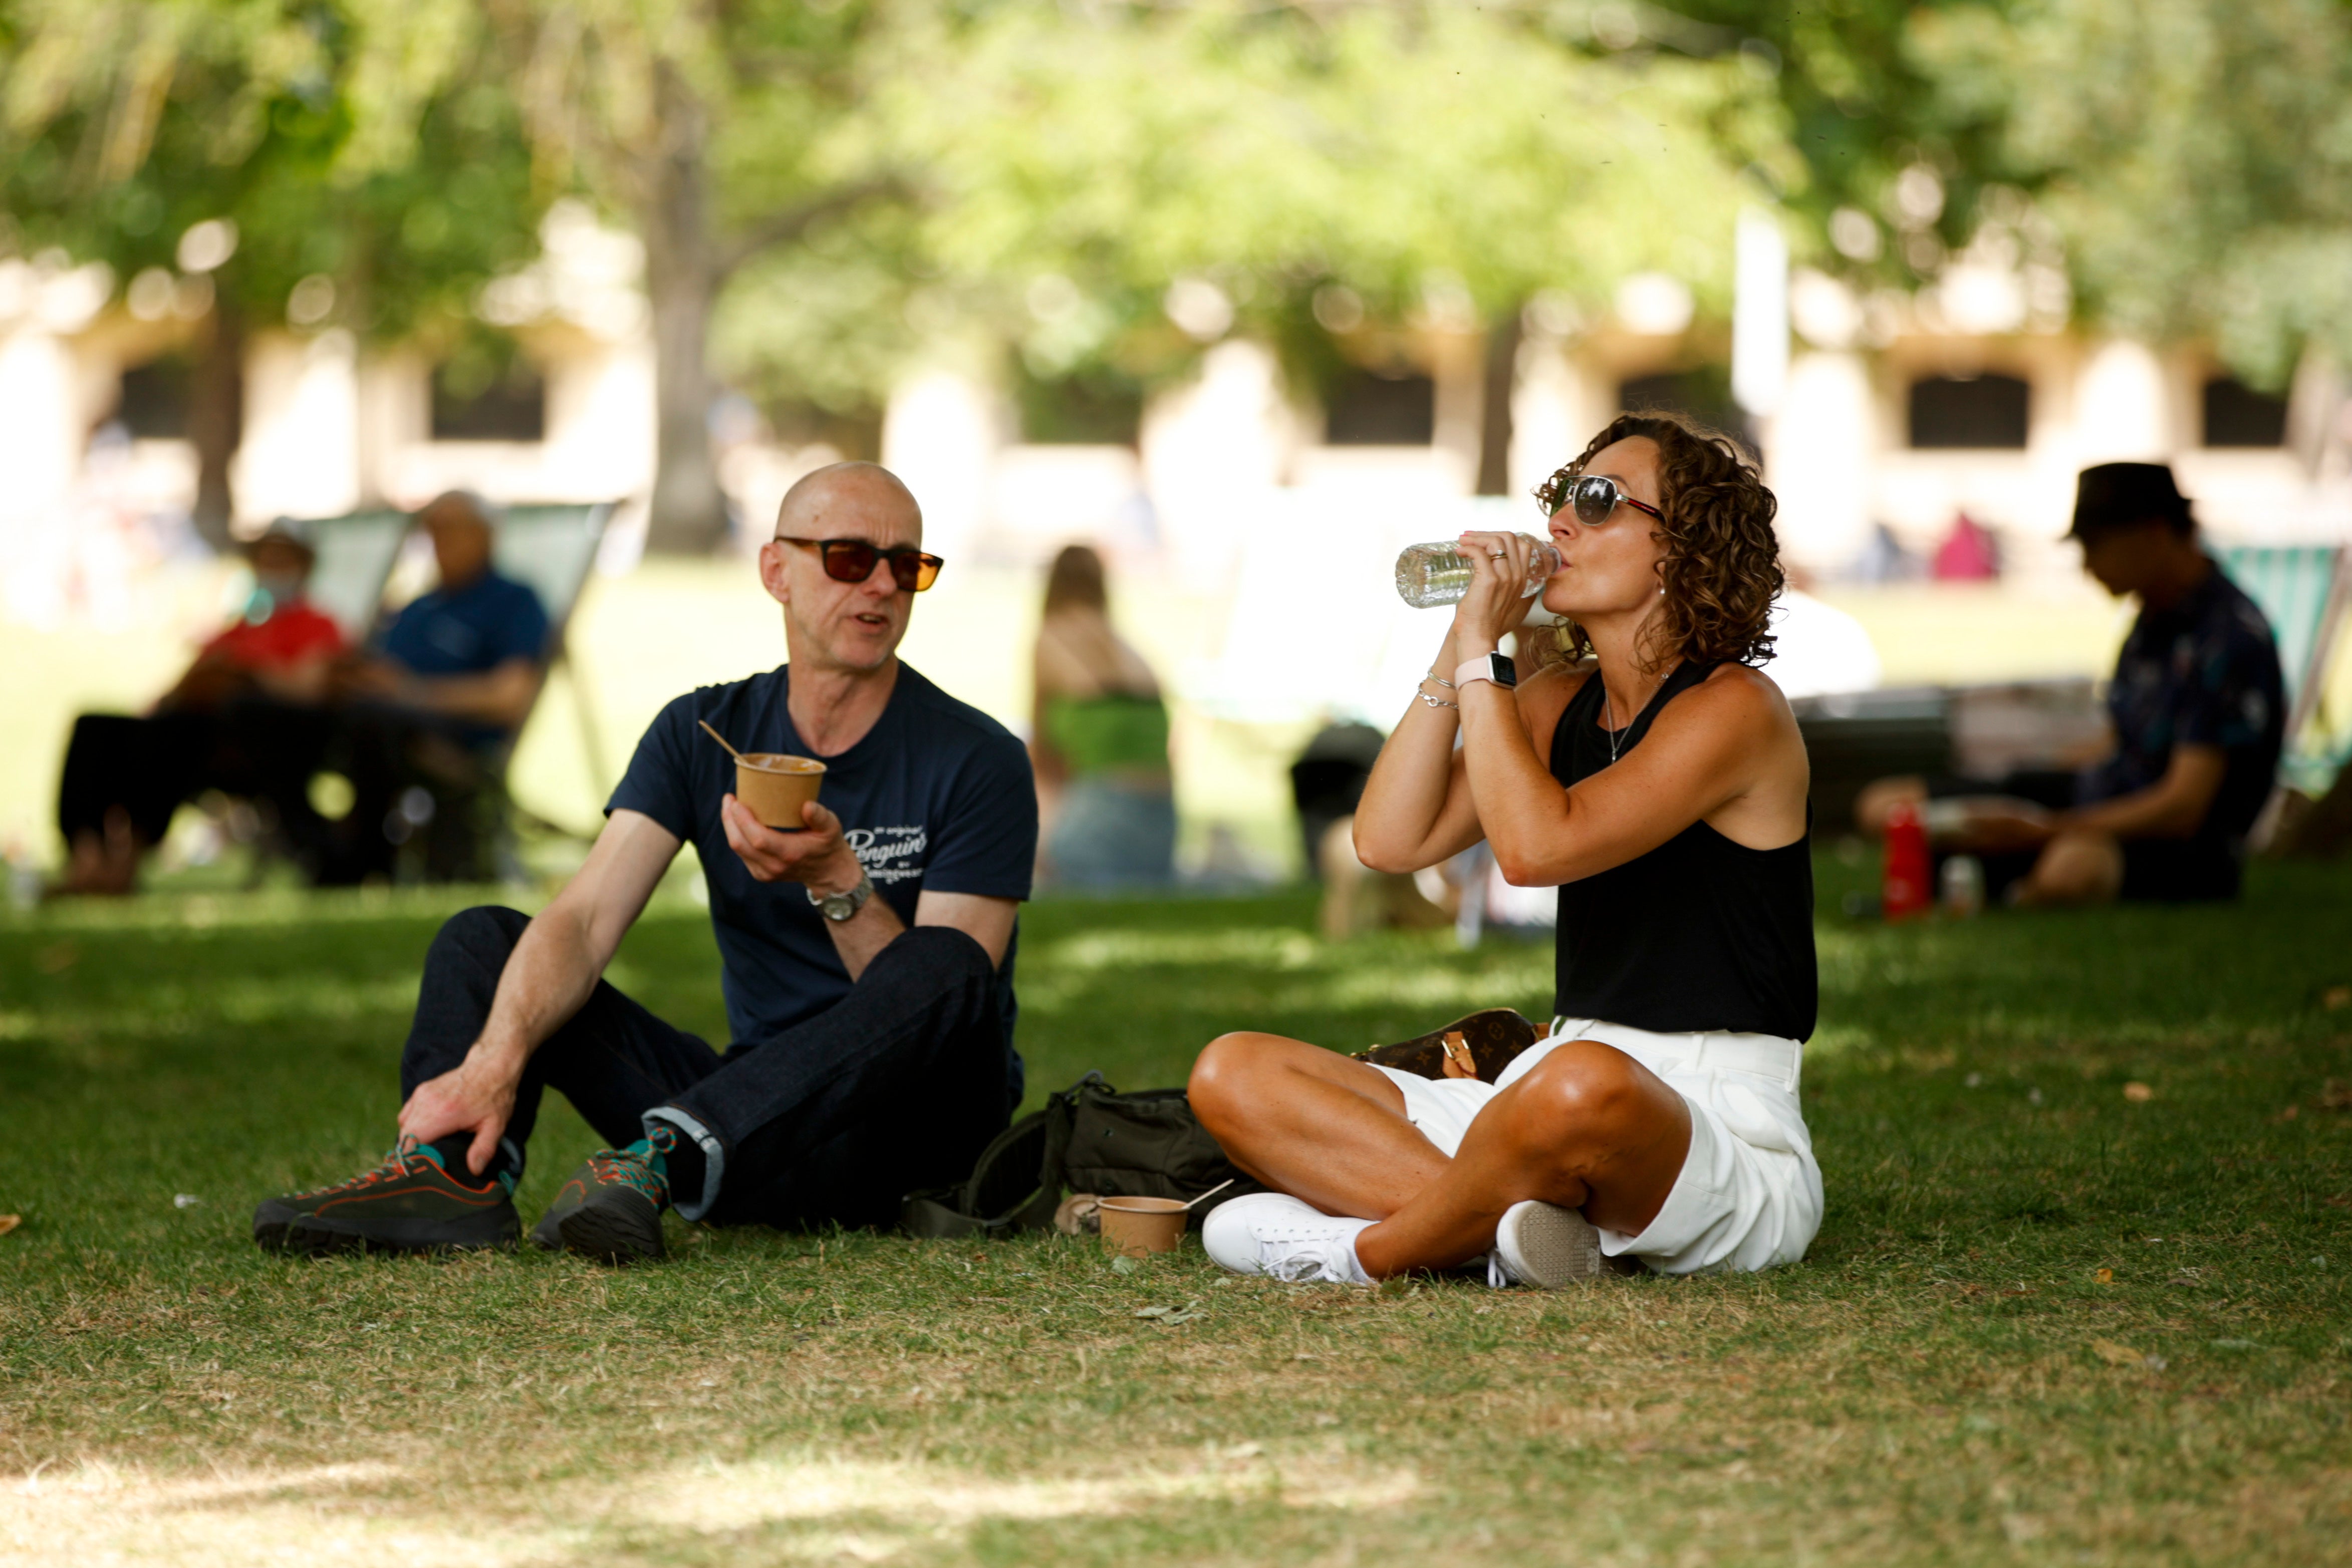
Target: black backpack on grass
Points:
(1092, 1138)
(1089, 1139)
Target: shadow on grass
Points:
(2078, 1295)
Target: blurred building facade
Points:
(1896, 416)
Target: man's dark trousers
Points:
(897, 1086)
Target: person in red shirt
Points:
(125, 776)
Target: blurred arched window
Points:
(1366, 408)
(153, 405)
(1983, 411)
(1094, 406)
(1702, 393)
(2238, 415)
(488, 391)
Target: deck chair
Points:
(352, 566)
(554, 549)
(355, 557)
(551, 548)
(2305, 591)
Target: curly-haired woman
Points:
(1649, 771)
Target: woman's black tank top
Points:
(1700, 935)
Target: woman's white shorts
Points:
(1749, 1194)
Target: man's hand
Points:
(209, 683)
(1991, 825)
(818, 857)
(364, 677)
(476, 1097)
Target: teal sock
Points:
(676, 1159)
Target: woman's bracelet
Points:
(1441, 681)
(1436, 702)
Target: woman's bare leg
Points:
(1590, 1128)
(1312, 1123)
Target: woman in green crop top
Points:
(1100, 740)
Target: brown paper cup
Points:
(776, 786)
(1141, 1227)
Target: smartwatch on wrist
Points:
(839, 907)
(1495, 667)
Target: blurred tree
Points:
(722, 132)
(1119, 185)
(2196, 158)
(263, 161)
(1864, 108)
(2194, 161)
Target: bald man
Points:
(866, 955)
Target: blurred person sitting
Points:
(125, 776)
(866, 955)
(437, 698)
(1100, 746)
(2197, 708)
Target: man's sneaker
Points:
(610, 1207)
(408, 1204)
(1276, 1234)
(1545, 1246)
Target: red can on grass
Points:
(1904, 891)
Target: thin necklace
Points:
(1609, 708)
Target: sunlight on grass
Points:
(2081, 1294)
(1257, 949)
(810, 1508)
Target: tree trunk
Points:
(217, 415)
(688, 509)
(1502, 375)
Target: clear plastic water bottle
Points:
(1428, 575)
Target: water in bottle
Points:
(1428, 575)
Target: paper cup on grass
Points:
(1141, 1227)
(775, 787)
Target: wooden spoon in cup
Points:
(720, 738)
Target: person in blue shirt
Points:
(474, 648)
(866, 955)
(441, 691)
(2197, 708)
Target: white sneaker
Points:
(1545, 1246)
(1277, 1234)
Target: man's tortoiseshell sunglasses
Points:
(852, 560)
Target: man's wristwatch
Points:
(839, 907)
(1495, 667)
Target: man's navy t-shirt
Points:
(476, 628)
(938, 795)
(469, 631)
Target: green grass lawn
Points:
(2046, 1321)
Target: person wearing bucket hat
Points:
(866, 955)
(2197, 708)
(124, 776)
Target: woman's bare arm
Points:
(1728, 748)
(1417, 808)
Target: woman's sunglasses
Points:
(852, 560)
(1595, 497)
